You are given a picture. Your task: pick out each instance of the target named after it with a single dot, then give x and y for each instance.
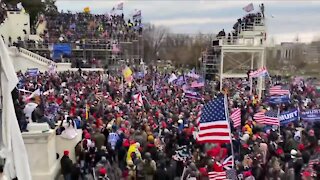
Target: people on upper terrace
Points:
(221, 34)
(75, 27)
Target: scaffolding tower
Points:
(245, 50)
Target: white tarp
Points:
(12, 147)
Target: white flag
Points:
(19, 6)
(52, 69)
(120, 6)
(172, 78)
(13, 148)
(34, 94)
(248, 8)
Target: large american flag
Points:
(217, 175)
(278, 90)
(214, 127)
(236, 117)
(268, 117)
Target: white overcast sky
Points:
(285, 19)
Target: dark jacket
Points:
(152, 149)
(100, 140)
(66, 165)
(161, 174)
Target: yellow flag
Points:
(127, 72)
(86, 10)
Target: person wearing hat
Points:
(103, 152)
(151, 148)
(295, 164)
(66, 165)
(103, 174)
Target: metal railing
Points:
(74, 46)
(239, 41)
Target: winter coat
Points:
(152, 149)
(66, 165)
(161, 174)
(99, 139)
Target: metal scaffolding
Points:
(240, 53)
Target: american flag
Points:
(236, 117)
(217, 175)
(99, 96)
(231, 174)
(136, 15)
(269, 118)
(138, 99)
(259, 72)
(192, 95)
(278, 90)
(197, 84)
(248, 8)
(313, 162)
(214, 127)
(228, 163)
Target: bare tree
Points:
(182, 49)
(153, 39)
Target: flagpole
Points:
(278, 116)
(227, 118)
(122, 84)
(0, 99)
(250, 78)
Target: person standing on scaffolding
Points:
(262, 9)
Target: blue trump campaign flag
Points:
(279, 99)
(33, 71)
(310, 115)
(289, 116)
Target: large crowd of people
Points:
(144, 126)
(125, 137)
(70, 27)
